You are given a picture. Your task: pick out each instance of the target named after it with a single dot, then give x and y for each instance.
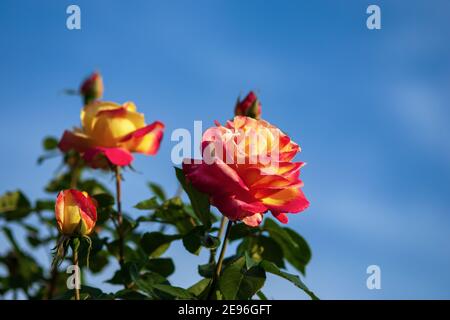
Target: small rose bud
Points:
(249, 107)
(92, 88)
(75, 213)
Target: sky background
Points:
(370, 109)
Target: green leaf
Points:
(128, 224)
(128, 294)
(95, 293)
(249, 261)
(238, 282)
(241, 230)
(302, 246)
(61, 182)
(200, 288)
(163, 266)
(126, 274)
(14, 205)
(261, 247)
(92, 187)
(295, 249)
(261, 295)
(44, 157)
(147, 281)
(98, 261)
(156, 243)
(207, 270)
(104, 200)
(33, 240)
(192, 243)
(210, 242)
(148, 204)
(45, 205)
(50, 143)
(272, 268)
(9, 235)
(199, 201)
(23, 269)
(198, 237)
(157, 190)
(175, 213)
(175, 292)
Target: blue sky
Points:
(369, 108)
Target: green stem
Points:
(220, 261)
(119, 215)
(76, 172)
(212, 253)
(75, 262)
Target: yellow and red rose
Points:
(75, 212)
(248, 169)
(112, 131)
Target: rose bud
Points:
(75, 213)
(110, 133)
(249, 107)
(248, 169)
(92, 88)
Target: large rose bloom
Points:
(112, 131)
(247, 170)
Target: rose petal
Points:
(116, 156)
(87, 207)
(253, 220)
(59, 210)
(73, 141)
(217, 177)
(288, 200)
(282, 217)
(145, 140)
(89, 112)
(236, 209)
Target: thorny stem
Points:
(220, 261)
(75, 262)
(119, 215)
(76, 171)
(212, 253)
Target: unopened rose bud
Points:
(75, 212)
(92, 88)
(249, 107)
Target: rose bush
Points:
(247, 169)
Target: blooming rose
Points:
(247, 170)
(250, 106)
(75, 213)
(112, 131)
